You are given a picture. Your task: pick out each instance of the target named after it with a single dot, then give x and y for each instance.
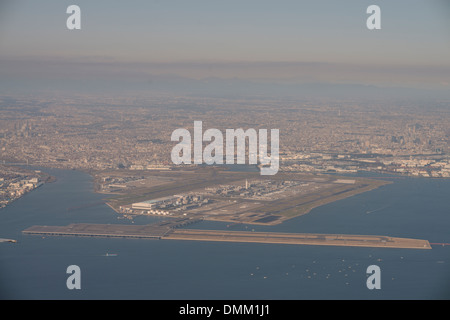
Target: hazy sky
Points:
(305, 41)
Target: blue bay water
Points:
(35, 267)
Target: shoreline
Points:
(314, 200)
(43, 179)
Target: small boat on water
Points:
(110, 255)
(8, 240)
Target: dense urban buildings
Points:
(16, 182)
(92, 133)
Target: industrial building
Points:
(150, 204)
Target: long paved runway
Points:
(101, 230)
(168, 231)
(299, 238)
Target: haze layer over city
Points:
(354, 96)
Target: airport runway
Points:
(298, 238)
(171, 231)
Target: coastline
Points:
(41, 179)
(275, 212)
